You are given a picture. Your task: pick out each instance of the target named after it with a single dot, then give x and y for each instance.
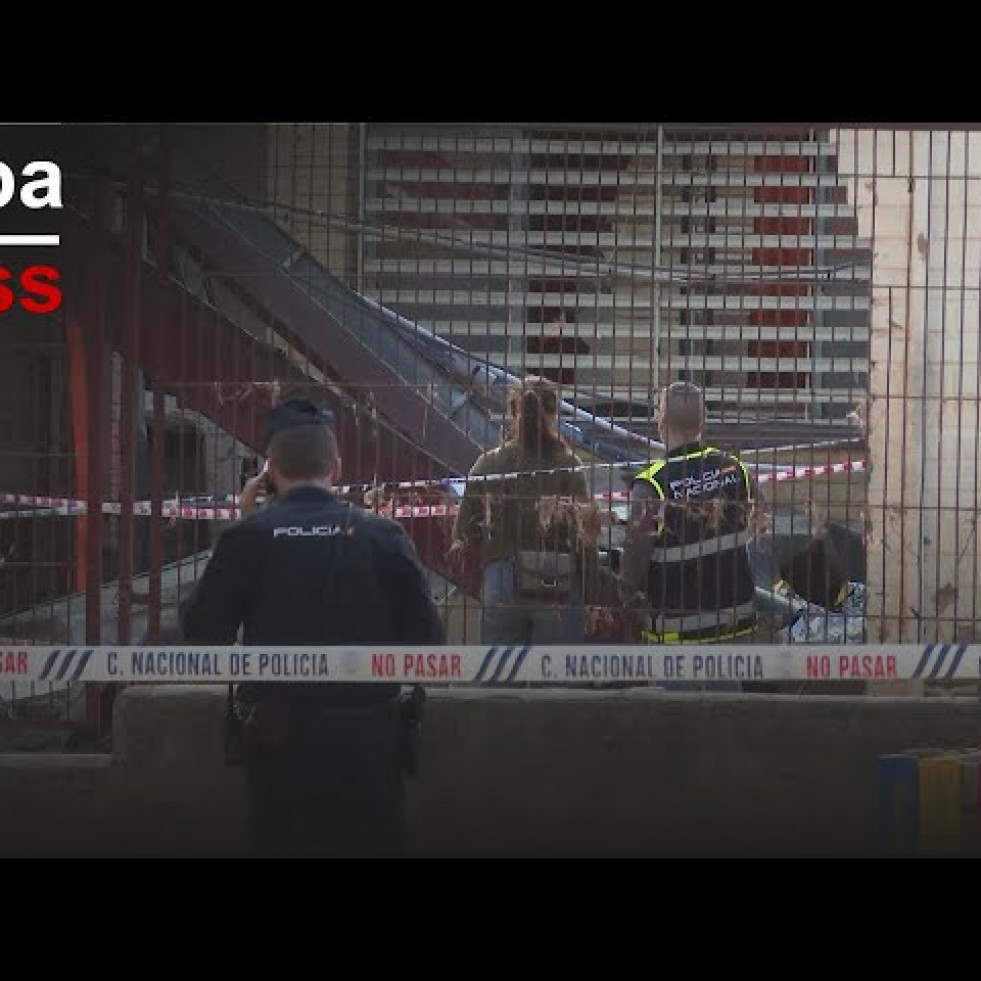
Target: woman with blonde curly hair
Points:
(537, 564)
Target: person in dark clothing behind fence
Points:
(323, 761)
(685, 565)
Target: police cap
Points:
(296, 412)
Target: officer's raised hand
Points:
(255, 487)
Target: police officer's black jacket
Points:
(309, 569)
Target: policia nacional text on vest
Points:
(700, 584)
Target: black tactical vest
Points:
(700, 584)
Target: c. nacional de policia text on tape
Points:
(495, 665)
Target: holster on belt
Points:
(268, 726)
(410, 708)
(233, 731)
(262, 726)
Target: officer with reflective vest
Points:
(685, 565)
(323, 761)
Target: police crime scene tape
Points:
(29, 506)
(491, 665)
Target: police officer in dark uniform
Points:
(323, 761)
(685, 563)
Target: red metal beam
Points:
(79, 388)
(163, 246)
(131, 407)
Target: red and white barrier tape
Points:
(61, 506)
(55, 506)
(826, 444)
(801, 473)
(778, 476)
(227, 510)
(448, 482)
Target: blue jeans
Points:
(506, 619)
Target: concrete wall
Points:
(919, 199)
(582, 773)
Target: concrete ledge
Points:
(56, 805)
(651, 773)
(55, 762)
(165, 791)
(160, 727)
(518, 772)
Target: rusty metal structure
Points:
(408, 274)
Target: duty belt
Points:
(730, 622)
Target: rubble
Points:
(843, 625)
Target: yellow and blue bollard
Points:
(898, 804)
(930, 803)
(940, 806)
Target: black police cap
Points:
(296, 412)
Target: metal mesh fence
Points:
(819, 286)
